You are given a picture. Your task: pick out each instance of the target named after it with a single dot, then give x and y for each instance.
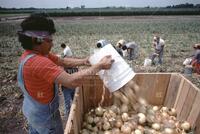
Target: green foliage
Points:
(107, 11)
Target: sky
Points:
(91, 3)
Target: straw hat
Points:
(197, 46)
(120, 42)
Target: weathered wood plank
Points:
(172, 90)
(197, 124)
(160, 87)
(192, 118)
(181, 97)
(146, 85)
(153, 87)
(70, 124)
(187, 107)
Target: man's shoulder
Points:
(131, 44)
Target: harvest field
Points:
(81, 34)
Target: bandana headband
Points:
(36, 34)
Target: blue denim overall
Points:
(42, 118)
(68, 93)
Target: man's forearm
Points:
(72, 62)
(75, 79)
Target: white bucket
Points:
(187, 61)
(119, 74)
(147, 62)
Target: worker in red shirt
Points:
(196, 59)
(40, 73)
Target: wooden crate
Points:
(167, 89)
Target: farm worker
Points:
(66, 50)
(132, 50)
(119, 45)
(40, 73)
(158, 45)
(196, 59)
(68, 93)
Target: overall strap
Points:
(20, 74)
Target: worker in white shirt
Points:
(66, 50)
(158, 45)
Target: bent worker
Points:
(119, 45)
(158, 45)
(196, 59)
(40, 73)
(132, 50)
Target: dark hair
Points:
(124, 47)
(35, 22)
(63, 45)
(196, 46)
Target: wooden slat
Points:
(92, 92)
(68, 128)
(146, 85)
(85, 95)
(192, 118)
(172, 90)
(153, 87)
(187, 107)
(78, 110)
(181, 97)
(75, 125)
(160, 87)
(179, 92)
(81, 112)
(197, 131)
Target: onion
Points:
(164, 115)
(106, 125)
(156, 126)
(125, 117)
(185, 126)
(150, 118)
(169, 123)
(142, 101)
(115, 131)
(90, 119)
(85, 131)
(99, 111)
(155, 108)
(150, 111)
(115, 109)
(125, 129)
(168, 131)
(137, 131)
(172, 112)
(118, 123)
(95, 129)
(142, 118)
(164, 109)
(96, 120)
(89, 126)
(107, 132)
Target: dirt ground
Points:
(11, 117)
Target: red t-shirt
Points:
(39, 74)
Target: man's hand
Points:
(86, 61)
(106, 62)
